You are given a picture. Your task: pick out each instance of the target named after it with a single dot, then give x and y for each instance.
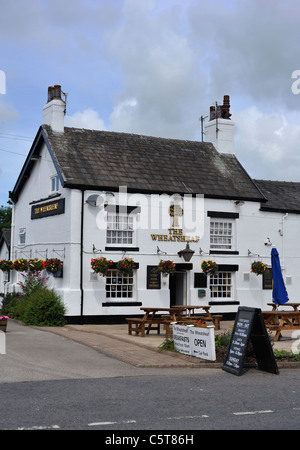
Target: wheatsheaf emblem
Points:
(175, 211)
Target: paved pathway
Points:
(136, 354)
(113, 341)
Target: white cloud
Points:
(86, 119)
(267, 144)
(122, 117)
(154, 67)
(251, 47)
(159, 69)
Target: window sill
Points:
(223, 252)
(122, 249)
(122, 304)
(223, 302)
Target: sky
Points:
(153, 67)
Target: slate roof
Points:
(89, 159)
(283, 196)
(101, 159)
(5, 236)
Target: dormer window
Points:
(54, 186)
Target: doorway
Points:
(178, 288)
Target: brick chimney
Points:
(219, 130)
(55, 109)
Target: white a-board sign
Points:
(181, 338)
(195, 341)
(202, 341)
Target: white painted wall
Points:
(60, 236)
(252, 228)
(49, 237)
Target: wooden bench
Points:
(216, 318)
(280, 321)
(142, 326)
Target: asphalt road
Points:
(51, 383)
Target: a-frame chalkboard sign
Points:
(249, 325)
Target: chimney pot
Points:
(226, 100)
(220, 129)
(50, 93)
(56, 91)
(212, 113)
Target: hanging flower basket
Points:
(20, 265)
(209, 267)
(53, 265)
(3, 323)
(36, 265)
(258, 267)
(126, 266)
(101, 265)
(166, 267)
(6, 265)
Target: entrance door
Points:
(178, 288)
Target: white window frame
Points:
(54, 184)
(219, 235)
(221, 285)
(120, 229)
(22, 236)
(119, 286)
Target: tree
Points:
(5, 217)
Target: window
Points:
(54, 183)
(221, 285)
(119, 285)
(200, 280)
(119, 229)
(22, 235)
(221, 234)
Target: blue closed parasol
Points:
(280, 295)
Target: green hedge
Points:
(43, 307)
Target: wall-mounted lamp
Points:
(187, 253)
(95, 250)
(252, 254)
(202, 252)
(268, 242)
(160, 252)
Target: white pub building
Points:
(85, 194)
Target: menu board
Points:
(153, 277)
(249, 324)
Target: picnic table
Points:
(279, 321)
(191, 309)
(152, 320)
(293, 305)
(191, 315)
